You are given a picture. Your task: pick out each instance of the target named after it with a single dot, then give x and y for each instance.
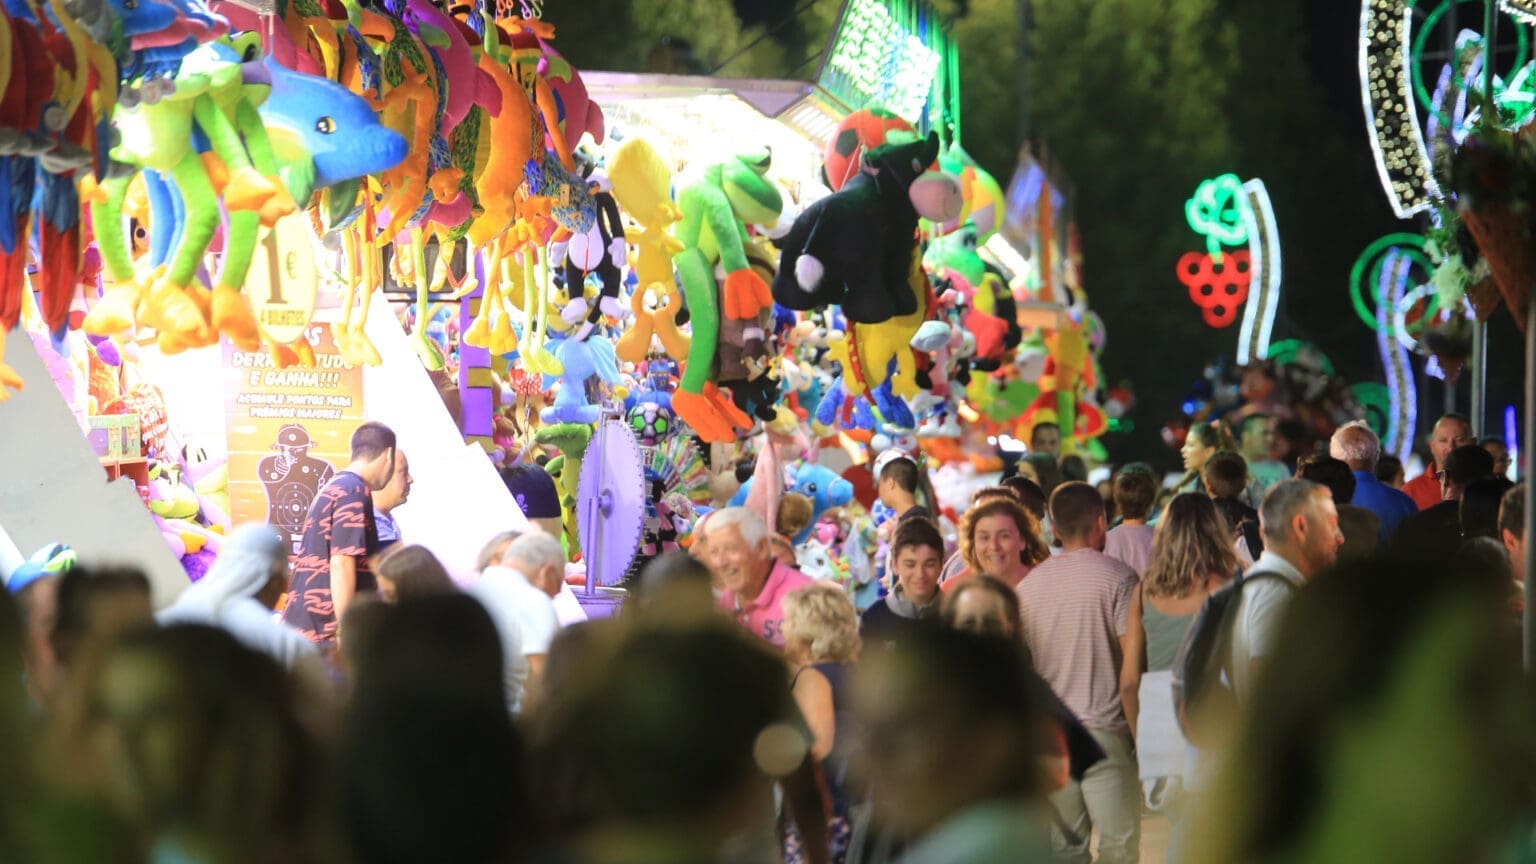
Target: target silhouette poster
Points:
(289, 430)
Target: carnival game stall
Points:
(246, 230)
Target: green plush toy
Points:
(717, 205)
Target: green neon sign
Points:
(1218, 211)
(887, 53)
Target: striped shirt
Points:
(1075, 608)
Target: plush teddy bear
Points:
(855, 247)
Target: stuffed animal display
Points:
(186, 172)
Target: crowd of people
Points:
(1314, 663)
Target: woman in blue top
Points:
(821, 633)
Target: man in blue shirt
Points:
(1356, 444)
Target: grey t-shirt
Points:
(1258, 618)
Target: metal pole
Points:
(1490, 48)
(1479, 375)
(1530, 488)
(1490, 120)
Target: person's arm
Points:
(533, 688)
(813, 696)
(805, 801)
(343, 584)
(1133, 661)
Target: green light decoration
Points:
(891, 53)
(1516, 98)
(1365, 275)
(1286, 351)
(1218, 212)
(1374, 397)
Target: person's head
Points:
(1356, 444)
(1135, 489)
(1389, 470)
(1484, 553)
(950, 720)
(898, 483)
(427, 735)
(1500, 453)
(534, 490)
(1202, 442)
(253, 563)
(1046, 470)
(1301, 524)
(1381, 660)
(705, 732)
(1028, 493)
(95, 606)
(795, 514)
(495, 549)
(1257, 437)
(1046, 438)
(1192, 544)
(1332, 473)
(984, 605)
(196, 734)
(739, 553)
(1512, 527)
(539, 557)
(1225, 474)
(820, 625)
(1077, 516)
(1000, 538)
(676, 585)
(917, 560)
(409, 573)
(1460, 467)
(988, 493)
(1073, 468)
(1480, 504)
(1451, 431)
(398, 490)
(373, 454)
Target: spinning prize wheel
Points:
(610, 505)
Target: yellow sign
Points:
(288, 430)
(284, 280)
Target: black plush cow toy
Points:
(854, 248)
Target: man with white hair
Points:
(1356, 444)
(755, 581)
(518, 591)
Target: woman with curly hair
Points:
(1192, 556)
(1001, 539)
(821, 643)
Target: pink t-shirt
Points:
(1131, 545)
(764, 615)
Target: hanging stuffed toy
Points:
(855, 247)
(715, 204)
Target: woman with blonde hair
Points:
(1192, 556)
(1000, 538)
(821, 643)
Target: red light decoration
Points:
(1218, 289)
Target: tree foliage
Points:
(1129, 98)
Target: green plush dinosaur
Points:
(717, 204)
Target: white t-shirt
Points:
(1258, 617)
(525, 619)
(254, 625)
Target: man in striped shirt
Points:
(1075, 608)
